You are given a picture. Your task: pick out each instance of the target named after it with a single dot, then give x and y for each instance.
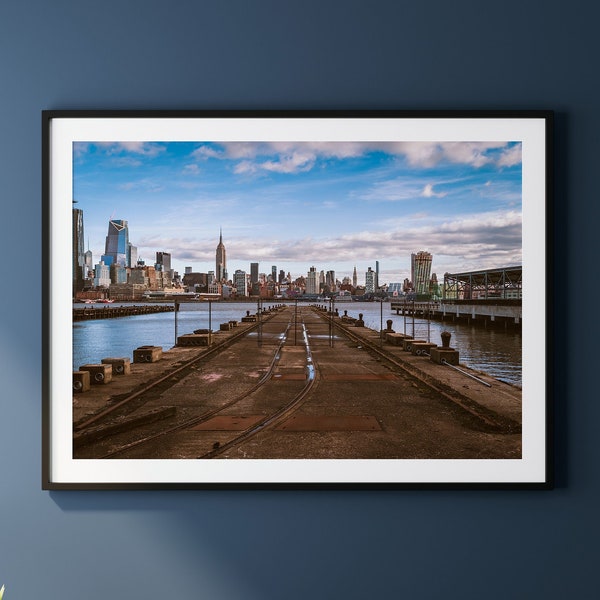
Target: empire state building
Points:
(221, 260)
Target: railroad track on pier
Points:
(260, 387)
(486, 417)
(215, 425)
(128, 402)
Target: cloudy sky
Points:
(332, 205)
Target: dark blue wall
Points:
(309, 54)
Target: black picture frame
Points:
(531, 131)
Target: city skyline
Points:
(295, 205)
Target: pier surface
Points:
(297, 383)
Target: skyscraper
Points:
(354, 278)
(164, 259)
(370, 276)
(239, 281)
(116, 249)
(312, 282)
(420, 271)
(221, 260)
(253, 273)
(79, 271)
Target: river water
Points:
(491, 351)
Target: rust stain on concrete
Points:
(330, 423)
(359, 377)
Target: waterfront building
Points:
(79, 264)
(221, 260)
(137, 276)
(117, 248)
(395, 289)
(195, 281)
(312, 282)
(370, 286)
(123, 292)
(239, 282)
(421, 271)
(215, 288)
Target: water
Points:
(495, 352)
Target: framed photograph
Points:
(297, 299)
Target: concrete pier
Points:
(112, 312)
(361, 403)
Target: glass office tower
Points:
(116, 250)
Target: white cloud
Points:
(148, 149)
(429, 193)
(296, 162)
(192, 169)
(511, 156)
(205, 152)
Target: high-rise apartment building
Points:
(370, 276)
(116, 249)
(420, 271)
(221, 260)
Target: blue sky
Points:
(332, 205)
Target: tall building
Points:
(354, 278)
(221, 260)
(330, 280)
(253, 273)
(101, 275)
(370, 276)
(239, 282)
(79, 269)
(117, 249)
(274, 272)
(89, 263)
(164, 259)
(376, 274)
(132, 255)
(312, 282)
(420, 271)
